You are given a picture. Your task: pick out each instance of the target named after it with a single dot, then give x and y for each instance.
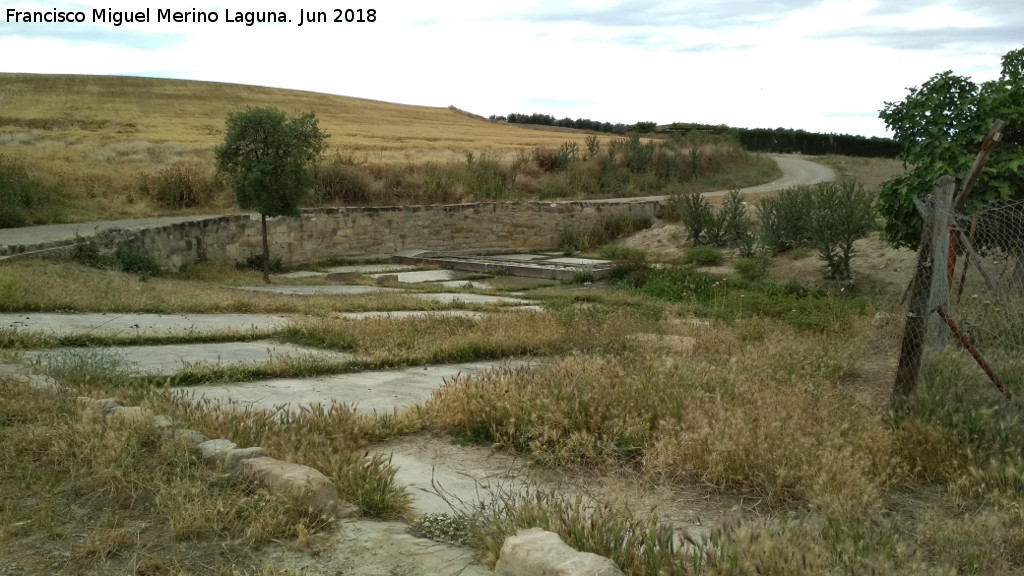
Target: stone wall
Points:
(380, 232)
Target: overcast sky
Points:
(824, 66)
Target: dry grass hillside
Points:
(115, 147)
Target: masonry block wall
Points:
(380, 232)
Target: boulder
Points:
(126, 415)
(101, 407)
(536, 552)
(215, 450)
(234, 457)
(193, 438)
(306, 484)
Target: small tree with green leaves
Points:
(841, 213)
(270, 158)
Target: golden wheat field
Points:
(97, 136)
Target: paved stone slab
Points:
(381, 392)
(402, 314)
(578, 261)
(472, 298)
(171, 358)
(421, 276)
(333, 289)
(115, 324)
(371, 268)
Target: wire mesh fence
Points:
(975, 310)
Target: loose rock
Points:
(308, 485)
(536, 552)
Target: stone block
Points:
(536, 552)
(193, 438)
(100, 407)
(127, 416)
(306, 484)
(215, 450)
(164, 424)
(232, 458)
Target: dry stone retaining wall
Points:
(377, 232)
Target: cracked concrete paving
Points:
(168, 359)
(131, 324)
(380, 392)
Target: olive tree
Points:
(269, 157)
(939, 127)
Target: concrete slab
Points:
(115, 324)
(420, 276)
(448, 297)
(370, 268)
(330, 290)
(381, 392)
(401, 314)
(578, 261)
(172, 358)
(425, 465)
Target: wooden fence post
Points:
(935, 226)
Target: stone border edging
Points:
(531, 552)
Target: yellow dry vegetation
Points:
(143, 123)
(96, 138)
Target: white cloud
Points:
(812, 64)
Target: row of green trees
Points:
(773, 140)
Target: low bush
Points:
(751, 268)
(341, 180)
(255, 262)
(704, 256)
(696, 213)
(23, 199)
(182, 185)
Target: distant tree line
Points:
(778, 140)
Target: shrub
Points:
(340, 180)
(487, 178)
(573, 240)
(703, 256)
(20, 194)
(593, 145)
(785, 219)
(181, 185)
(751, 268)
(128, 257)
(604, 230)
(133, 258)
(696, 214)
(568, 153)
(547, 160)
(255, 262)
(617, 252)
(639, 155)
(840, 214)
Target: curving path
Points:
(795, 171)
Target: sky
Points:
(823, 66)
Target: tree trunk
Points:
(266, 251)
